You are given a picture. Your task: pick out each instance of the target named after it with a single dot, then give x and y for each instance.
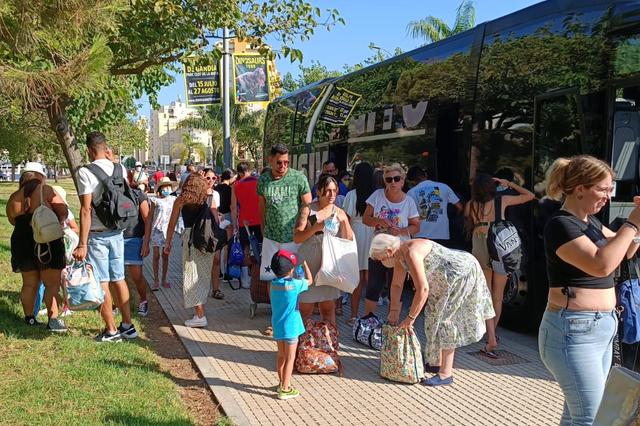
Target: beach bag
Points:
(45, 224)
(318, 349)
(628, 293)
(620, 403)
(118, 206)
(339, 268)
(368, 331)
(401, 355)
(80, 288)
(503, 242)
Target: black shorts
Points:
(379, 276)
(255, 230)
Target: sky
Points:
(382, 22)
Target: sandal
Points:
(489, 353)
(351, 321)
(268, 331)
(217, 294)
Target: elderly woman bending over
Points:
(458, 303)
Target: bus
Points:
(556, 79)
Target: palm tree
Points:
(433, 29)
(187, 148)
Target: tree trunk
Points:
(60, 125)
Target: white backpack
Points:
(46, 228)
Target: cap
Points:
(282, 262)
(61, 192)
(33, 166)
(138, 164)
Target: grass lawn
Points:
(70, 379)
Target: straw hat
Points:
(165, 181)
(61, 192)
(33, 166)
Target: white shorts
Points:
(269, 248)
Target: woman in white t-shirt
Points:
(389, 211)
(355, 204)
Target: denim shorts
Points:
(105, 252)
(132, 249)
(576, 346)
(288, 341)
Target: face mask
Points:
(165, 192)
(501, 188)
(138, 168)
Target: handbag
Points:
(368, 331)
(339, 268)
(620, 403)
(401, 355)
(317, 351)
(80, 288)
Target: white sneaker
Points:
(196, 322)
(245, 279)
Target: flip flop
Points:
(268, 331)
(489, 354)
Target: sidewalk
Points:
(238, 363)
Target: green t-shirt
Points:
(282, 203)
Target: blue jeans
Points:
(576, 347)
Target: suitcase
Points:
(259, 290)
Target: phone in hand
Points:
(313, 219)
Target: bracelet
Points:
(631, 225)
(411, 317)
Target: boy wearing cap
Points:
(285, 316)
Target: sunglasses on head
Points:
(393, 179)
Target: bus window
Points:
(626, 137)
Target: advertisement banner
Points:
(250, 78)
(303, 102)
(339, 106)
(202, 84)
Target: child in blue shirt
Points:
(285, 316)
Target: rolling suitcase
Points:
(259, 290)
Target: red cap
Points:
(288, 255)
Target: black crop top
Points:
(560, 229)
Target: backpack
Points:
(236, 259)
(118, 206)
(629, 304)
(368, 331)
(401, 355)
(503, 241)
(206, 235)
(318, 349)
(45, 224)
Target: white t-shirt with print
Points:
(432, 199)
(398, 214)
(88, 183)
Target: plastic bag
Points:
(80, 288)
(340, 268)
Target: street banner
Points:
(202, 84)
(339, 106)
(251, 78)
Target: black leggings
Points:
(379, 276)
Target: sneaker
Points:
(437, 381)
(128, 333)
(56, 325)
(105, 336)
(291, 393)
(380, 301)
(196, 322)
(143, 308)
(65, 312)
(31, 320)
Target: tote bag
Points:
(621, 400)
(401, 355)
(80, 288)
(339, 268)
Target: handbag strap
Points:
(497, 203)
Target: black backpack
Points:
(118, 206)
(503, 241)
(206, 235)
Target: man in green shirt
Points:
(281, 193)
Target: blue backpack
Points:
(629, 304)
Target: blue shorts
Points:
(105, 252)
(132, 249)
(288, 341)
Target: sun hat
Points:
(61, 192)
(138, 164)
(33, 166)
(165, 181)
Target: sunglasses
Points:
(211, 178)
(393, 179)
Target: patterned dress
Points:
(459, 301)
(161, 219)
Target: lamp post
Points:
(374, 46)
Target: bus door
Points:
(624, 130)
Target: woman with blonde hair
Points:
(451, 283)
(196, 265)
(578, 326)
(388, 211)
(480, 213)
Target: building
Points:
(164, 133)
(143, 155)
